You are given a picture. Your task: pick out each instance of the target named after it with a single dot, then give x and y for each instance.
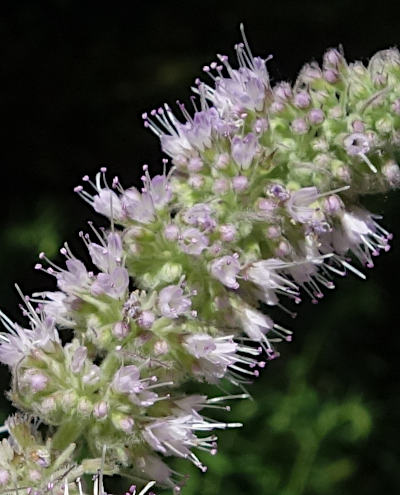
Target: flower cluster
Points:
(259, 208)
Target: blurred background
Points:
(76, 77)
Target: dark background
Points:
(75, 78)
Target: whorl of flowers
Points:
(260, 207)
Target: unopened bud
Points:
(302, 99)
(228, 232)
(195, 164)
(222, 161)
(171, 232)
(220, 186)
(332, 204)
(100, 410)
(391, 171)
(299, 126)
(240, 183)
(316, 116)
(85, 407)
(4, 477)
(146, 320)
(120, 329)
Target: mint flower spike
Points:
(260, 206)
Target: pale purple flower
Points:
(108, 256)
(172, 301)
(127, 380)
(38, 381)
(220, 186)
(228, 232)
(356, 144)
(100, 409)
(171, 232)
(120, 329)
(302, 99)
(226, 269)
(283, 91)
(268, 275)
(245, 89)
(214, 355)
(180, 140)
(107, 203)
(298, 205)
(192, 241)
(153, 468)
(333, 204)
(362, 234)
(200, 215)
(244, 149)
(174, 436)
(299, 126)
(391, 171)
(138, 206)
(114, 284)
(19, 342)
(74, 278)
(316, 116)
(160, 191)
(256, 325)
(195, 164)
(146, 319)
(4, 477)
(260, 126)
(240, 183)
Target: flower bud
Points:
(396, 106)
(240, 183)
(171, 232)
(120, 329)
(276, 107)
(302, 99)
(100, 410)
(358, 126)
(146, 320)
(273, 232)
(228, 232)
(220, 186)
(37, 380)
(161, 348)
(48, 405)
(260, 126)
(85, 407)
(283, 91)
(283, 249)
(299, 126)
(34, 475)
(331, 76)
(316, 116)
(195, 164)
(332, 58)
(126, 424)
(4, 477)
(391, 171)
(196, 181)
(333, 204)
(222, 161)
